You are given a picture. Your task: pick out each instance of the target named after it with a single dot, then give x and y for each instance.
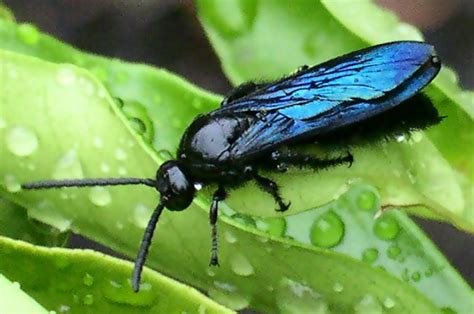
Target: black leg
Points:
(219, 195)
(240, 91)
(271, 187)
(281, 160)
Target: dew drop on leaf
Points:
(393, 251)
(240, 265)
(104, 167)
(11, 183)
(88, 280)
(120, 154)
(327, 230)
(296, 297)
(97, 142)
(386, 228)
(88, 299)
(100, 196)
(366, 200)
(116, 292)
(388, 303)
(66, 76)
(368, 304)
(122, 171)
(416, 276)
(275, 226)
(3, 123)
(196, 103)
(230, 237)
(21, 141)
(337, 287)
(370, 255)
(141, 215)
(234, 300)
(68, 167)
(28, 34)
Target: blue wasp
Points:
(370, 93)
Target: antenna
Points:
(150, 229)
(53, 184)
(145, 245)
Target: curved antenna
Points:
(145, 245)
(52, 184)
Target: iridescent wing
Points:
(336, 93)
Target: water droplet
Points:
(88, 280)
(411, 177)
(66, 75)
(11, 183)
(198, 186)
(210, 272)
(21, 141)
(243, 220)
(296, 297)
(68, 167)
(429, 272)
(327, 230)
(141, 215)
(225, 286)
(230, 237)
(337, 287)
(122, 171)
(393, 251)
(119, 293)
(100, 196)
(400, 138)
(197, 103)
(28, 34)
(97, 142)
(274, 226)
(367, 200)
(234, 300)
(88, 299)
(416, 276)
(120, 154)
(176, 122)
(368, 304)
(389, 303)
(370, 255)
(405, 275)
(165, 154)
(104, 167)
(3, 123)
(416, 137)
(240, 265)
(12, 73)
(386, 228)
(87, 85)
(64, 308)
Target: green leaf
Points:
(253, 43)
(83, 281)
(14, 300)
(260, 268)
(15, 223)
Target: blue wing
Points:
(336, 93)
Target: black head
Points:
(177, 191)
